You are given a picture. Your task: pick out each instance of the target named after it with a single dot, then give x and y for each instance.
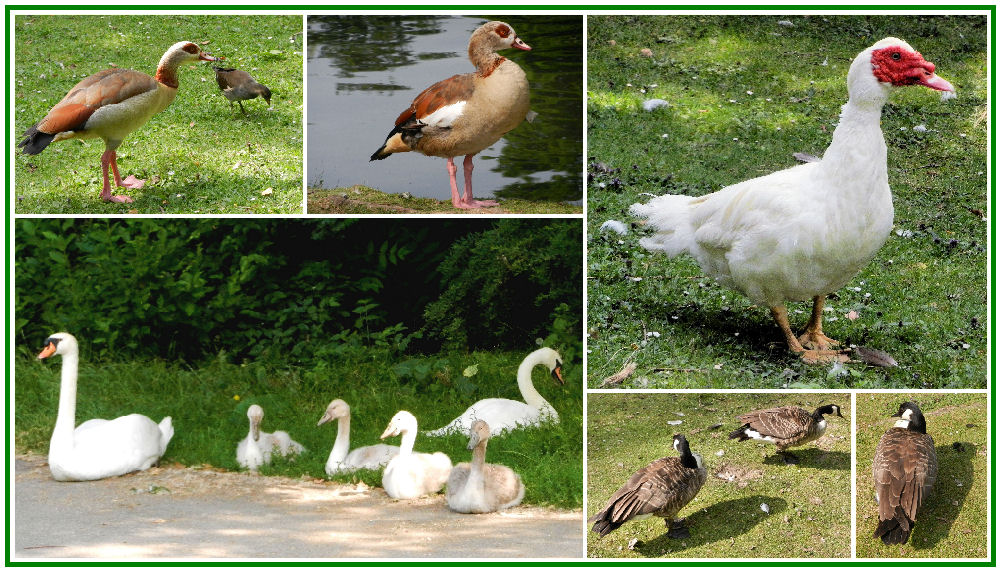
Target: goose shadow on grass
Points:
(814, 458)
(937, 516)
(717, 522)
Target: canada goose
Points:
(660, 489)
(904, 471)
(111, 104)
(412, 474)
(466, 113)
(372, 457)
(785, 426)
(507, 414)
(255, 450)
(239, 86)
(480, 487)
(97, 448)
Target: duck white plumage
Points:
(111, 104)
(371, 457)
(508, 414)
(804, 232)
(412, 474)
(478, 487)
(464, 114)
(97, 448)
(257, 448)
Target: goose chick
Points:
(340, 460)
(256, 449)
(239, 86)
(480, 487)
(660, 489)
(904, 471)
(412, 474)
(785, 427)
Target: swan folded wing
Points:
(105, 448)
(370, 457)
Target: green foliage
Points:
(518, 281)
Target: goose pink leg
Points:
(467, 200)
(110, 159)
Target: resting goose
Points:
(255, 450)
(804, 232)
(785, 427)
(904, 471)
(370, 457)
(111, 104)
(97, 448)
(479, 487)
(412, 474)
(660, 489)
(507, 414)
(239, 86)
(464, 114)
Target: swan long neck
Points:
(62, 434)
(406, 445)
(343, 442)
(528, 392)
(478, 458)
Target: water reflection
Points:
(364, 70)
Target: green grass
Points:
(809, 503)
(922, 299)
(208, 405)
(952, 522)
(361, 199)
(198, 155)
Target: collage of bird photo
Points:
(693, 287)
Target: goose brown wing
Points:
(904, 471)
(106, 87)
(661, 488)
(783, 422)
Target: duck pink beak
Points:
(205, 56)
(934, 82)
(519, 44)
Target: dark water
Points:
(365, 70)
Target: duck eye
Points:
(896, 56)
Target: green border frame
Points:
(583, 10)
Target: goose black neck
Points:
(687, 458)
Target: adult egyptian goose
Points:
(464, 114)
(239, 86)
(660, 489)
(804, 232)
(111, 104)
(785, 427)
(904, 471)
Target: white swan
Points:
(97, 448)
(371, 457)
(255, 450)
(507, 414)
(412, 474)
(479, 487)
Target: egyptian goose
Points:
(111, 104)
(237, 85)
(785, 427)
(660, 489)
(464, 114)
(804, 232)
(904, 471)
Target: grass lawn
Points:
(809, 504)
(208, 404)
(198, 155)
(365, 200)
(744, 94)
(952, 522)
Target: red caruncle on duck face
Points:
(901, 66)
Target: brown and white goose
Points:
(785, 427)
(464, 114)
(904, 471)
(660, 489)
(239, 86)
(111, 104)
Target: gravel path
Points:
(179, 512)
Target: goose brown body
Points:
(239, 86)
(904, 471)
(111, 104)
(660, 489)
(785, 426)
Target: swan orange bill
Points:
(48, 351)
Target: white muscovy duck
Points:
(256, 449)
(97, 448)
(804, 232)
(371, 457)
(508, 414)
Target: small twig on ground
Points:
(620, 376)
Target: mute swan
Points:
(371, 457)
(255, 450)
(479, 487)
(97, 448)
(507, 414)
(412, 474)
